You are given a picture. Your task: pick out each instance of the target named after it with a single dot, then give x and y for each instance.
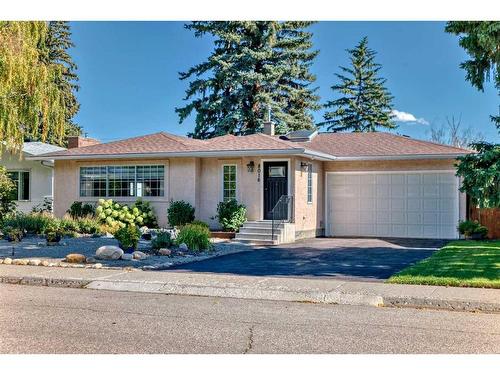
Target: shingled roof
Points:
(327, 146)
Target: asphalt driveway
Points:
(361, 259)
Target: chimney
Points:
(75, 141)
(268, 128)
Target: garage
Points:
(407, 204)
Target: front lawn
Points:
(459, 263)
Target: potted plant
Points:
(13, 234)
(128, 238)
(53, 234)
(472, 230)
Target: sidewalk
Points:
(251, 287)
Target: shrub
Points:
(88, 225)
(180, 213)
(7, 189)
(32, 223)
(472, 228)
(44, 207)
(147, 213)
(116, 215)
(162, 240)
(69, 225)
(79, 209)
(202, 223)
(13, 234)
(196, 237)
(128, 237)
(231, 215)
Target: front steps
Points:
(260, 233)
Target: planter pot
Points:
(128, 250)
(225, 235)
(476, 236)
(146, 236)
(54, 241)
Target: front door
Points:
(275, 185)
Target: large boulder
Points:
(127, 257)
(165, 252)
(75, 258)
(183, 247)
(139, 255)
(109, 253)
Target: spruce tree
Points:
(364, 104)
(254, 67)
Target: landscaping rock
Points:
(180, 253)
(1, 261)
(20, 262)
(7, 261)
(97, 265)
(139, 255)
(109, 252)
(127, 257)
(34, 262)
(45, 263)
(183, 247)
(75, 258)
(166, 252)
(90, 260)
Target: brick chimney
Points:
(75, 141)
(268, 128)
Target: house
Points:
(33, 178)
(311, 184)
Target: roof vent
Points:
(301, 135)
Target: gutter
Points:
(399, 157)
(201, 154)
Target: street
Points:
(64, 320)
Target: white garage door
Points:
(402, 204)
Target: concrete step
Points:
(258, 242)
(262, 224)
(255, 236)
(258, 230)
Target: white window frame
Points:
(18, 189)
(309, 185)
(235, 180)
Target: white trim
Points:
(261, 185)
(399, 157)
(309, 202)
(221, 195)
(207, 154)
(326, 214)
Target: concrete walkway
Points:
(253, 287)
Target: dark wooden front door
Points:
(275, 185)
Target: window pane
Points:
(25, 186)
(93, 181)
(276, 171)
(121, 181)
(229, 182)
(150, 181)
(14, 176)
(309, 184)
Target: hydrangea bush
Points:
(116, 215)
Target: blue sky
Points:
(129, 74)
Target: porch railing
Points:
(282, 212)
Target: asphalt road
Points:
(58, 320)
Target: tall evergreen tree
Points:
(481, 40)
(254, 67)
(365, 103)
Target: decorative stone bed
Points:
(34, 251)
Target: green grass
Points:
(460, 263)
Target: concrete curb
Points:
(325, 291)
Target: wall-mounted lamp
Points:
(304, 166)
(250, 166)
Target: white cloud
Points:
(401, 116)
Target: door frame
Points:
(261, 185)
(327, 227)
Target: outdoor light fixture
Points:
(304, 165)
(250, 166)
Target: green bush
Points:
(231, 215)
(13, 234)
(88, 225)
(79, 209)
(33, 223)
(44, 207)
(162, 240)
(53, 231)
(202, 223)
(180, 213)
(147, 212)
(195, 236)
(7, 189)
(471, 228)
(69, 225)
(128, 237)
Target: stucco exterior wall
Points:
(40, 179)
(308, 216)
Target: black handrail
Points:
(282, 212)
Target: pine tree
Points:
(254, 67)
(58, 43)
(365, 103)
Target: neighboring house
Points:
(33, 178)
(334, 184)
